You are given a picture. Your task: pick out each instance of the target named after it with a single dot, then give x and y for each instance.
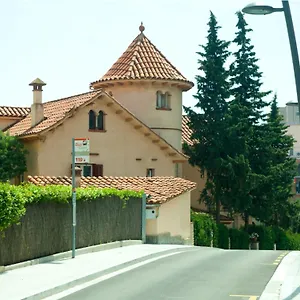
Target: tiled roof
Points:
(186, 131)
(142, 60)
(161, 189)
(54, 111)
(14, 111)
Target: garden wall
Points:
(46, 228)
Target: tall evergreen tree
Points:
(246, 115)
(280, 171)
(208, 151)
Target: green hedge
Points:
(13, 199)
(239, 239)
(204, 225)
(223, 236)
(266, 236)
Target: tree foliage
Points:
(12, 157)
(242, 150)
(208, 127)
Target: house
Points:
(132, 116)
(291, 118)
(168, 210)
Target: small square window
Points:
(87, 171)
(150, 173)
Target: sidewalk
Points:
(42, 280)
(285, 283)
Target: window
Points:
(163, 100)
(298, 170)
(90, 170)
(96, 122)
(100, 120)
(97, 170)
(92, 120)
(291, 152)
(150, 173)
(87, 171)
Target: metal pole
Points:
(293, 45)
(73, 201)
(144, 199)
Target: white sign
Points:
(82, 151)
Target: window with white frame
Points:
(163, 100)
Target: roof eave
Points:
(185, 85)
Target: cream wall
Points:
(33, 148)
(174, 217)
(118, 147)
(140, 99)
(4, 122)
(294, 130)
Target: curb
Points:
(274, 287)
(68, 285)
(68, 254)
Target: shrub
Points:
(293, 240)
(266, 236)
(239, 239)
(281, 239)
(204, 225)
(13, 199)
(223, 236)
(12, 205)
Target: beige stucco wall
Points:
(140, 99)
(118, 147)
(173, 224)
(174, 217)
(294, 130)
(4, 122)
(193, 174)
(33, 148)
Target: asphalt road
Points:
(201, 273)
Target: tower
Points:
(149, 86)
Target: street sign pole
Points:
(73, 201)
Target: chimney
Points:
(37, 108)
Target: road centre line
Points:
(250, 297)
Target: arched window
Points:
(100, 120)
(92, 120)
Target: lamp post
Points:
(260, 9)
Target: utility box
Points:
(151, 213)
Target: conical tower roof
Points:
(142, 61)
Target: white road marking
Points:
(105, 277)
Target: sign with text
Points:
(82, 150)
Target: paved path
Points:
(204, 273)
(39, 281)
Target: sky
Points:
(70, 43)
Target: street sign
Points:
(82, 150)
(80, 154)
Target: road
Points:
(200, 273)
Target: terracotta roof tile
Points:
(14, 111)
(142, 60)
(54, 111)
(161, 189)
(186, 131)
